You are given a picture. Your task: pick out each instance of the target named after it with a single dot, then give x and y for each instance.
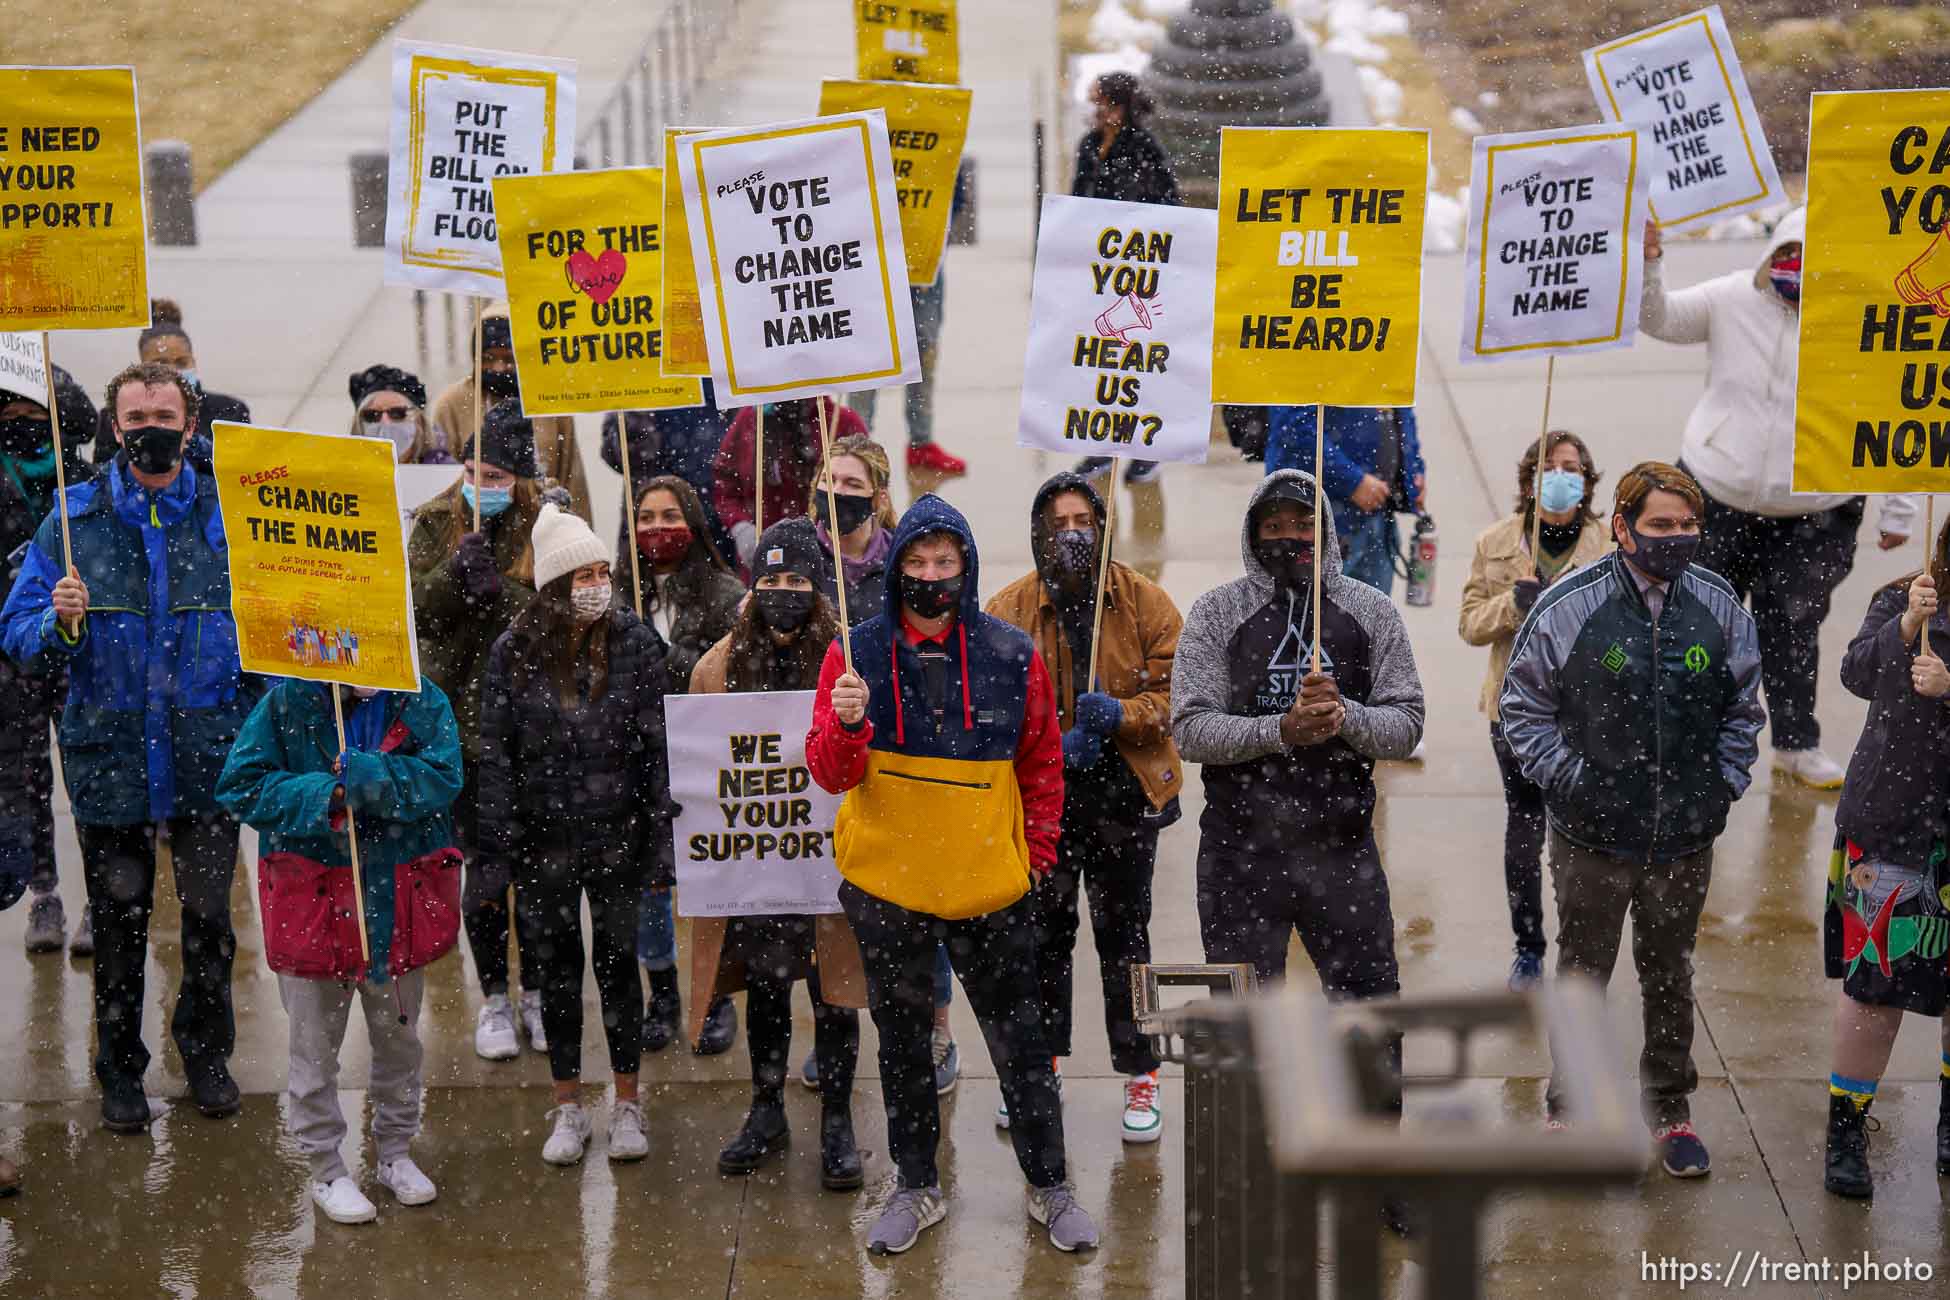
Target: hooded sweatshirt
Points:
(1739, 440)
(1241, 657)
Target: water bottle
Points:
(1421, 562)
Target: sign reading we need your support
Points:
(1872, 395)
(1319, 284)
(926, 128)
(906, 40)
(318, 577)
(582, 254)
(462, 117)
(1555, 254)
(796, 231)
(755, 835)
(1682, 82)
(73, 250)
(1119, 358)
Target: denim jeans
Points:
(656, 931)
(1368, 548)
(930, 308)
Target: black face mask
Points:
(1663, 558)
(1073, 552)
(854, 511)
(1289, 560)
(783, 610)
(24, 435)
(153, 449)
(500, 385)
(930, 597)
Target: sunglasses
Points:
(392, 414)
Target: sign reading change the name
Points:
(796, 231)
(1119, 361)
(462, 117)
(756, 834)
(1555, 254)
(1682, 82)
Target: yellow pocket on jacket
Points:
(936, 835)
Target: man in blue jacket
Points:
(1374, 468)
(155, 697)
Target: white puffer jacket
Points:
(1739, 440)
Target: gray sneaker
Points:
(1070, 1225)
(909, 1212)
(83, 943)
(47, 924)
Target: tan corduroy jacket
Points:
(1489, 608)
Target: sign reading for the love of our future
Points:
(1682, 81)
(1872, 391)
(23, 367)
(1119, 359)
(926, 127)
(755, 834)
(1555, 254)
(684, 350)
(73, 250)
(1319, 285)
(461, 118)
(906, 40)
(581, 253)
(796, 231)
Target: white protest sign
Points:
(461, 117)
(1555, 253)
(1682, 81)
(1119, 360)
(796, 232)
(23, 369)
(755, 835)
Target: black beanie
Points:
(387, 379)
(507, 440)
(790, 546)
(496, 332)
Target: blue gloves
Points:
(1081, 748)
(1098, 713)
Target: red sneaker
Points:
(930, 456)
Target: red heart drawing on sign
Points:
(596, 276)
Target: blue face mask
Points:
(1561, 490)
(493, 500)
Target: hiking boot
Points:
(663, 1014)
(341, 1201)
(909, 1212)
(1681, 1153)
(839, 1158)
(947, 1060)
(1526, 972)
(83, 943)
(1070, 1226)
(124, 1108)
(47, 924)
(406, 1181)
(931, 456)
(569, 1136)
(627, 1140)
(720, 1028)
(494, 1031)
(531, 1020)
(1143, 1121)
(764, 1134)
(213, 1090)
(1845, 1169)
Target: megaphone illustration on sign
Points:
(1927, 279)
(1126, 314)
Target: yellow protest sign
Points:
(318, 578)
(685, 352)
(72, 238)
(584, 269)
(1872, 399)
(1318, 295)
(926, 129)
(906, 40)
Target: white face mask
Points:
(399, 431)
(591, 603)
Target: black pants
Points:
(1523, 847)
(1115, 860)
(548, 903)
(1787, 567)
(1335, 896)
(27, 769)
(484, 903)
(995, 955)
(119, 865)
(768, 1033)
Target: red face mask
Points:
(663, 545)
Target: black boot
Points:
(663, 1014)
(213, 1090)
(839, 1159)
(1847, 1166)
(764, 1133)
(720, 1028)
(1943, 1129)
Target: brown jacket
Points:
(1140, 636)
(1489, 607)
(842, 973)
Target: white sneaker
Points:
(494, 1032)
(531, 1020)
(570, 1135)
(1143, 1120)
(627, 1140)
(343, 1202)
(406, 1181)
(1810, 767)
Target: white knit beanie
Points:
(563, 544)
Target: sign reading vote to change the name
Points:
(582, 254)
(1119, 360)
(684, 349)
(906, 40)
(797, 235)
(1555, 254)
(756, 834)
(1682, 82)
(72, 236)
(23, 367)
(318, 577)
(1872, 396)
(926, 127)
(1319, 284)
(461, 118)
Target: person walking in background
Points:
(389, 403)
(166, 343)
(1783, 552)
(557, 458)
(1505, 579)
(683, 442)
(792, 456)
(1633, 701)
(575, 803)
(1374, 469)
(393, 782)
